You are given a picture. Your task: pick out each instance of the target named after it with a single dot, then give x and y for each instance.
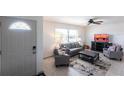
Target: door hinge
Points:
(0, 52)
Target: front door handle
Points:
(34, 49)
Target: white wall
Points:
(39, 20)
(116, 30)
(48, 35)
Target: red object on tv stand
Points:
(101, 37)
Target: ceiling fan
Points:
(92, 21)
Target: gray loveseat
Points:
(71, 49)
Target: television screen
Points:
(101, 37)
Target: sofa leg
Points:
(120, 59)
(67, 65)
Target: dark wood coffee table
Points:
(88, 55)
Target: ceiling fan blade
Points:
(96, 23)
(99, 21)
(89, 23)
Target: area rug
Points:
(100, 67)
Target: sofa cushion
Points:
(68, 46)
(73, 45)
(77, 44)
(118, 48)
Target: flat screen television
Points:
(101, 37)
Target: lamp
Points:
(79, 40)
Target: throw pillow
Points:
(112, 48)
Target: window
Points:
(20, 26)
(73, 35)
(66, 35)
(61, 35)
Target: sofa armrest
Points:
(67, 51)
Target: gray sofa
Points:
(114, 52)
(72, 49)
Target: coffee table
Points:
(88, 55)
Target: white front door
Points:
(18, 46)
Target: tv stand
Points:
(98, 46)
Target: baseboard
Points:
(48, 57)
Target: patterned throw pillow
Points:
(112, 48)
(118, 48)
